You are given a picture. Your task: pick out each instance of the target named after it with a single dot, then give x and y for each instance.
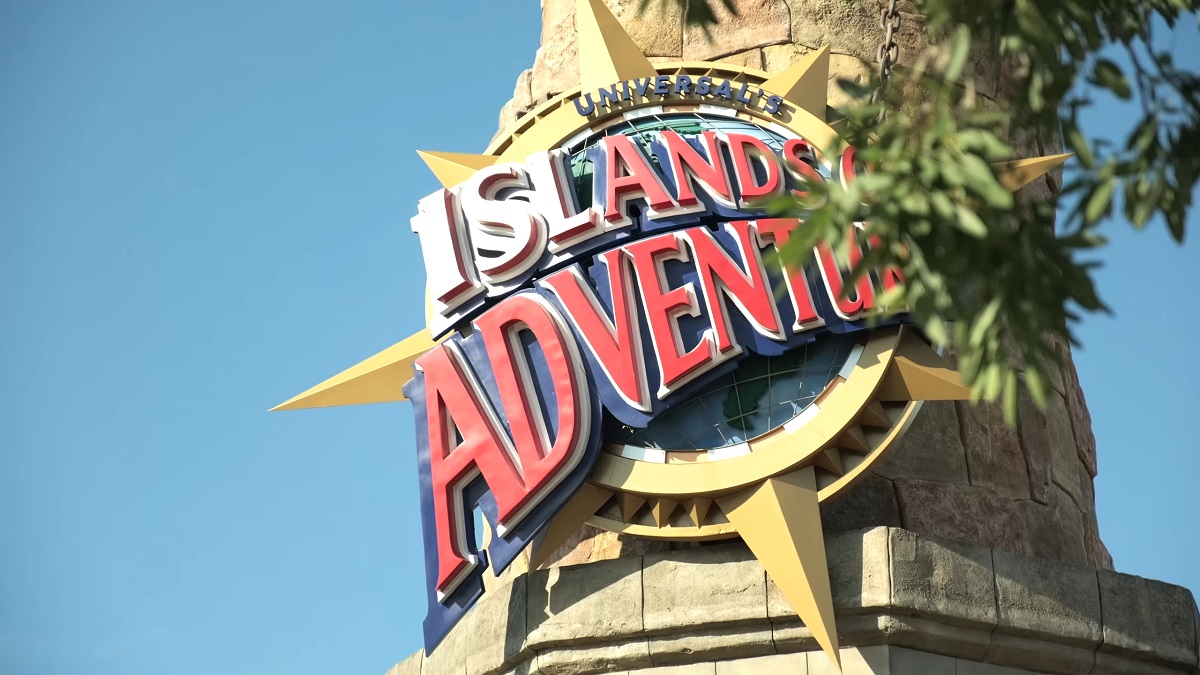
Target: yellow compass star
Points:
(770, 496)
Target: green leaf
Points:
(984, 321)
(1145, 134)
(960, 47)
(1097, 203)
(1076, 142)
(1106, 74)
(970, 223)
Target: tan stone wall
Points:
(959, 472)
(905, 604)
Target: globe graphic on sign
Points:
(762, 393)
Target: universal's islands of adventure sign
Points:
(610, 339)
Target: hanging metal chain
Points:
(889, 52)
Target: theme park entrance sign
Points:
(613, 338)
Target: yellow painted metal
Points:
(830, 459)
(854, 440)
(661, 509)
(920, 374)
(890, 437)
(1018, 173)
(805, 82)
(376, 380)
(780, 520)
(606, 52)
(452, 168)
(697, 508)
(630, 504)
(710, 532)
(873, 415)
(567, 521)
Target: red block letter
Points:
(663, 307)
(629, 176)
(747, 150)
(748, 289)
(688, 165)
(521, 471)
(616, 343)
(778, 231)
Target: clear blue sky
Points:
(203, 211)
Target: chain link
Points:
(889, 52)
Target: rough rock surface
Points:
(905, 604)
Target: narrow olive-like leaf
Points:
(960, 47)
(1106, 74)
(1098, 201)
(1078, 144)
(984, 321)
(970, 223)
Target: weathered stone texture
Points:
(1035, 596)
(982, 610)
(565, 602)
(689, 669)
(846, 67)
(963, 513)
(942, 577)
(1057, 527)
(592, 544)
(658, 31)
(751, 58)
(449, 657)
(995, 459)
(711, 643)
(1110, 664)
(758, 23)
(796, 664)
(1068, 472)
(556, 65)
(1035, 441)
(497, 628)
(931, 449)
(779, 57)
(1008, 650)
(605, 658)
(1147, 617)
(872, 502)
(942, 635)
(847, 26)
(1097, 553)
(712, 585)
(1081, 419)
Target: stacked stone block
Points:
(905, 603)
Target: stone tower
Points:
(972, 547)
